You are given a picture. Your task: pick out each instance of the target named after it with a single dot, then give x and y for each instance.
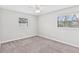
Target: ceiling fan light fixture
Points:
(37, 11)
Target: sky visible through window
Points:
(68, 17)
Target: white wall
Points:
(0, 28)
(48, 27)
(12, 30)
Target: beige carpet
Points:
(37, 45)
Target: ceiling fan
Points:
(36, 8)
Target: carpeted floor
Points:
(37, 45)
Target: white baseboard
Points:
(54, 38)
(17, 39)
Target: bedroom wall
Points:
(48, 27)
(12, 30)
(0, 28)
